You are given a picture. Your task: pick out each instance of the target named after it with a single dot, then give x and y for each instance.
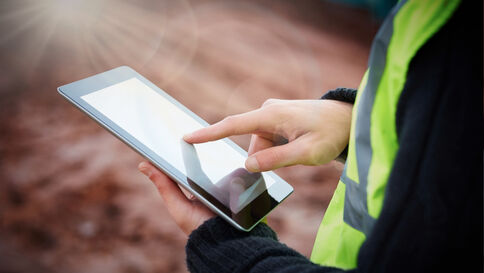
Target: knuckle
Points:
(153, 176)
(269, 102)
(228, 119)
(156, 179)
(273, 109)
(230, 125)
(310, 154)
(273, 158)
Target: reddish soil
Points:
(71, 198)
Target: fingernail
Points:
(187, 136)
(252, 164)
(145, 169)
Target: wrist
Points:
(344, 95)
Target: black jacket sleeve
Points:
(218, 247)
(341, 94)
(432, 216)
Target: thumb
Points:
(275, 157)
(172, 195)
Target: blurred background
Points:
(71, 198)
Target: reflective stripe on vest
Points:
(356, 205)
(358, 199)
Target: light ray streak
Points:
(24, 27)
(41, 46)
(18, 12)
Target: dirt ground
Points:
(71, 198)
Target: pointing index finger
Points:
(232, 125)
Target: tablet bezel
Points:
(73, 92)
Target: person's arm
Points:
(218, 247)
(315, 132)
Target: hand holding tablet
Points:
(187, 214)
(153, 124)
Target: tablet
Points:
(153, 123)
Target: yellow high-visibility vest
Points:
(358, 199)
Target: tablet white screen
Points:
(160, 125)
